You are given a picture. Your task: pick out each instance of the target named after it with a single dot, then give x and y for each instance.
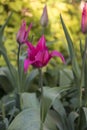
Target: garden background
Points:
(53, 97)
(31, 11)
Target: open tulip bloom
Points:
(39, 56)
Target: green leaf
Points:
(66, 77)
(85, 70)
(2, 125)
(51, 121)
(29, 119)
(49, 96)
(71, 118)
(30, 77)
(5, 84)
(2, 31)
(81, 48)
(83, 119)
(29, 100)
(58, 107)
(75, 65)
(12, 76)
(22, 74)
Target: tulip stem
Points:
(19, 89)
(41, 99)
(18, 57)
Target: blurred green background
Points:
(31, 11)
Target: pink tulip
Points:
(84, 19)
(44, 17)
(39, 56)
(22, 34)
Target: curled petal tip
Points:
(56, 53)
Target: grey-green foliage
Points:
(10, 74)
(31, 109)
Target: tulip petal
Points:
(84, 19)
(41, 44)
(56, 53)
(27, 62)
(30, 46)
(42, 57)
(27, 32)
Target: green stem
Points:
(3, 111)
(83, 78)
(19, 89)
(85, 71)
(41, 99)
(18, 57)
(43, 30)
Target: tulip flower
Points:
(44, 17)
(39, 56)
(22, 34)
(84, 18)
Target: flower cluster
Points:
(38, 55)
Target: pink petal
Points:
(56, 53)
(43, 57)
(26, 65)
(84, 19)
(27, 32)
(27, 62)
(41, 44)
(30, 46)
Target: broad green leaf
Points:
(58, 107)
(83, 119)
(54, 121)
(29, 100)
(51, 121)
(49, 96)
(71, 119)
(28, 119)
(75, 65)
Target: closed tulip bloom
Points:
(44, 17)
(84, 18)
(22, 34)
(39, 56)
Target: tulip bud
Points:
(22, 34)
(44, 17)
(84, 18)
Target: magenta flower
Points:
(39, 56)
(44, 17)
(84, 19)
(22, 34)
